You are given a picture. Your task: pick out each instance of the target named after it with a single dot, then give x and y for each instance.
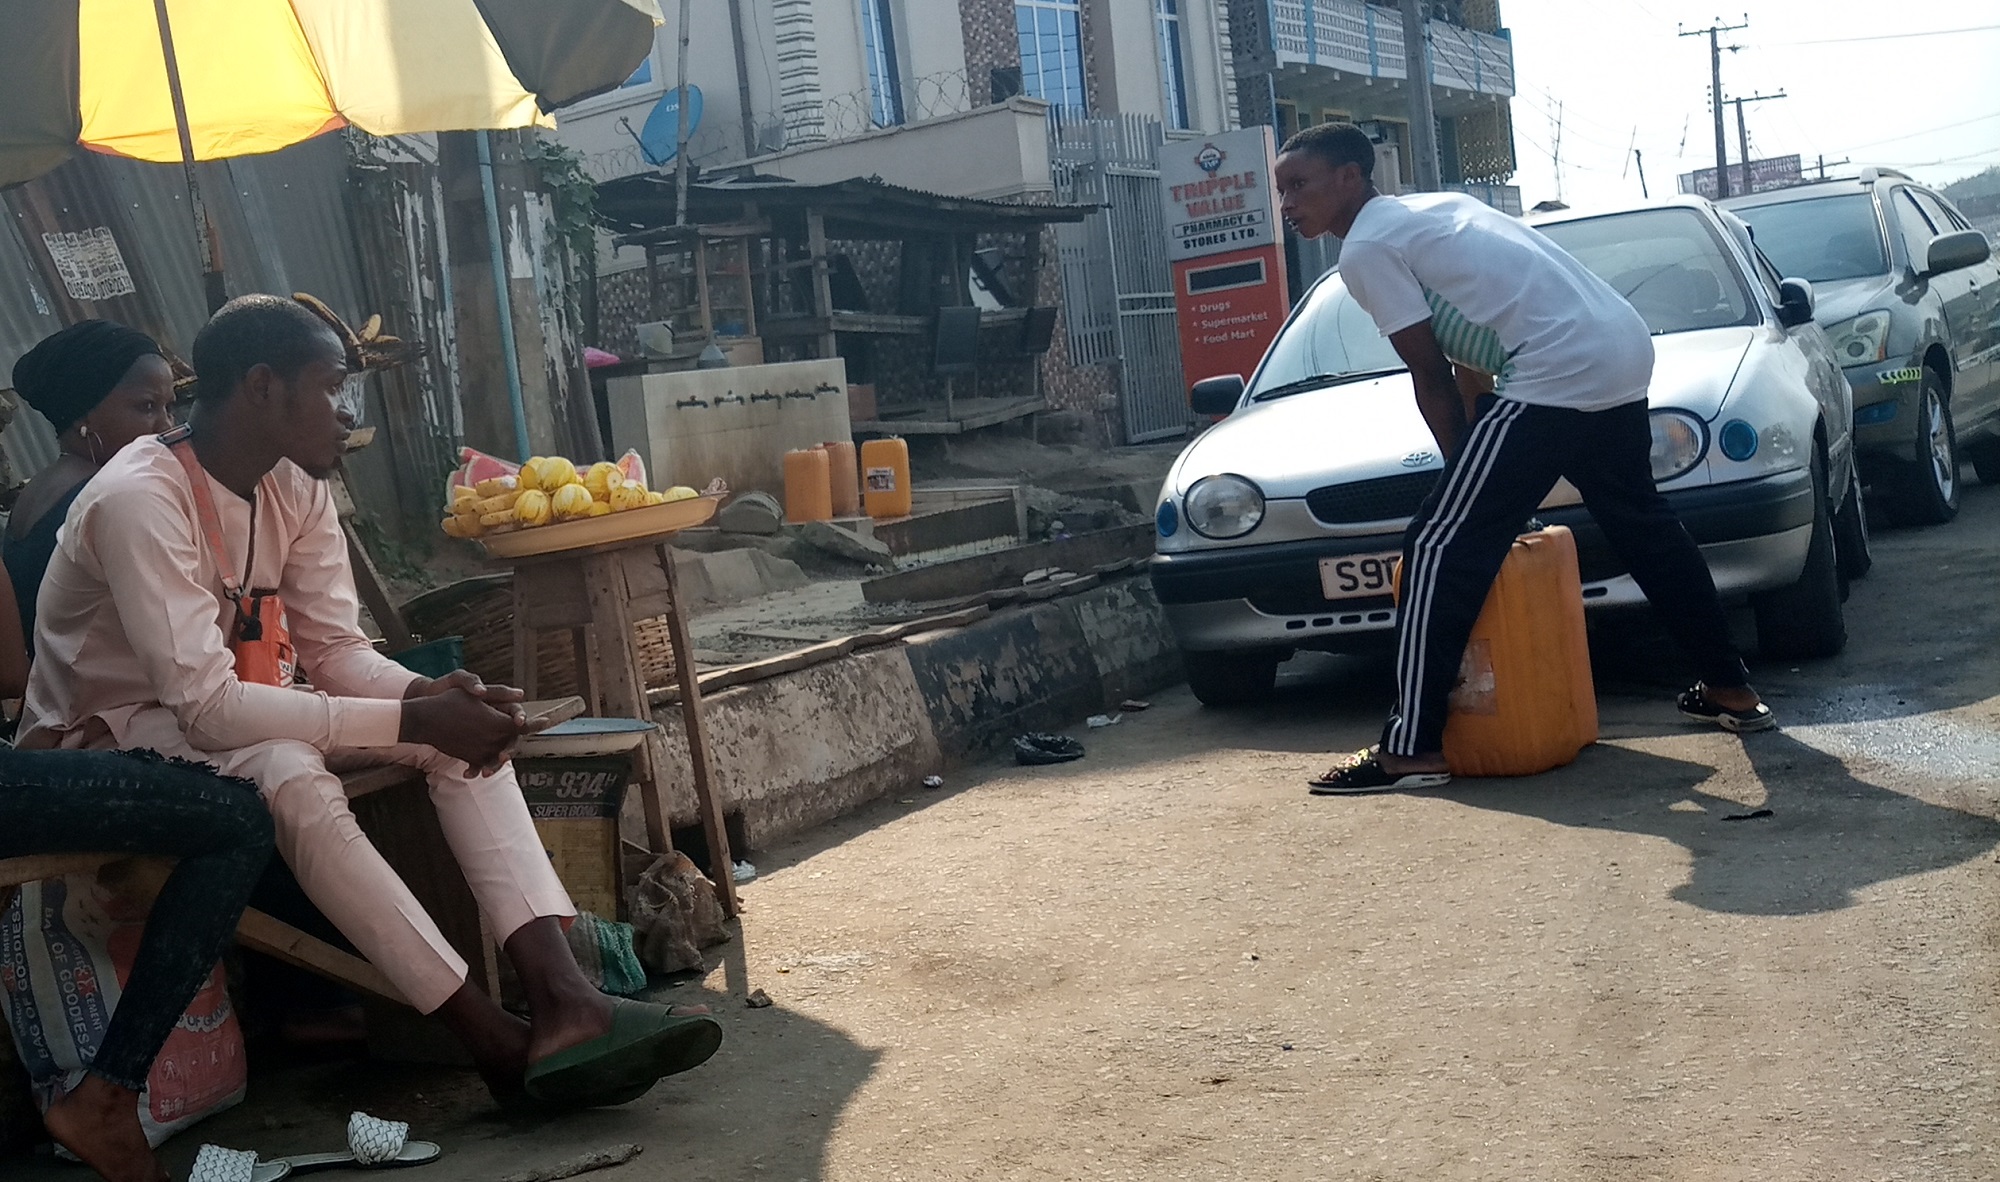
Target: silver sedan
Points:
(1279, 527)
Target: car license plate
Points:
(1358, 575)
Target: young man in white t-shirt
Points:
(1451, 281)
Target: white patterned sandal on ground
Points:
(213, 1163)
(372, 1144)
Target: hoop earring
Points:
(88, 441)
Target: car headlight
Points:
(1224, 506)
(1861, 339)
(1679, 442)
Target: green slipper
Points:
(645, 1043)
(516, 1102)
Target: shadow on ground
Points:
(765, 1106)
(1828, 835)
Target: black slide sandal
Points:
(1695, 706)
(1365, 775)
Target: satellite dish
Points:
(660, 138)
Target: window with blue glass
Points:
(1051, 52)
(640, 76)
(878, 44)
(1173, 67)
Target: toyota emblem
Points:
(1418, 459)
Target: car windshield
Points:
(1330, 338)
(1820, 238)
(1669, 263)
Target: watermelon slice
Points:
(477, 469)
(478, 466)
(631, 467)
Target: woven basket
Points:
(482, 611)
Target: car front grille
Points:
(1382, 499)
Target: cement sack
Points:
(675, 915)
(66, 951)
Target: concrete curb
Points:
(803, 748)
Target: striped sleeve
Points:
(1474, 346)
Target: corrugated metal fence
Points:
(112, 238)
(1118, 296)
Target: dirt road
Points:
(1167, 961)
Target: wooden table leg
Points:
(527, 648)
(618, 680)
(586, 685)
(721, 862)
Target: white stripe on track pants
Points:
(1455, 544)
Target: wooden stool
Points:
(596, 595)
(259, 931)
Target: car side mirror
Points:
(1795, 303)
(1955, 252)
(1217, 395)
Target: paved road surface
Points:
(1167, 961)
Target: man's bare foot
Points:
(99, 1122)
(1409, 765)
(496, 1039)
(577, 1019)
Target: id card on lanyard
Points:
(259, 637)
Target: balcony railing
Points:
(1366, 39)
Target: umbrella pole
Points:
(211, 271)
(503, 295)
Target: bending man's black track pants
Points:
(1453, 549)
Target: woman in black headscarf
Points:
(100, 385)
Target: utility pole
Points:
(1423, 120)
(1639, 158)
(1714, 32)
(1556, 147)
(1743, 135)
(1823, 162)
(742, 79)
(681, 132)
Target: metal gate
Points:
(1118, 295)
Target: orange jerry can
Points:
(1525, 701)
(885, 478)
(808, 486)
(845, 476)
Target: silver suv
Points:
(1909, 293)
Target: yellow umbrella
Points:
(188, 80)
(258, 75)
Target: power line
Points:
(1979, 155)
(1553, 97)
(1568, 131)
(1924, 131)
(1884, 36)
(1567, 163)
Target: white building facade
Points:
(948, 96)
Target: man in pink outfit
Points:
(139, 608)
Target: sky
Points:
(1864, 80)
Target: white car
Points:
(1280, 526)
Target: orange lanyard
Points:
(178, 441)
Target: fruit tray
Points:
(610, 529)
